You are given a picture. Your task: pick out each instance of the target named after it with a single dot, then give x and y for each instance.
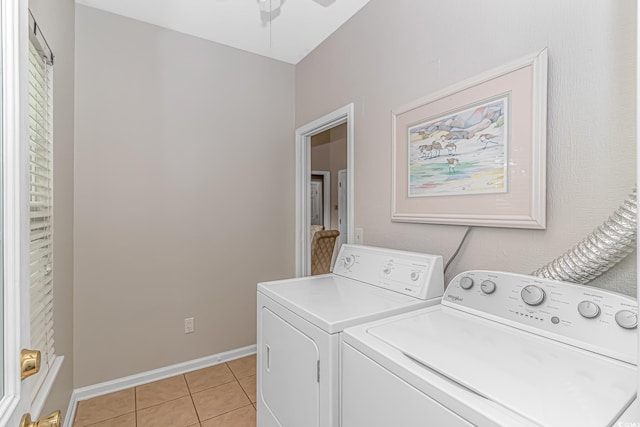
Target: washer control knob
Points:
(627, 319)
(532, 295)
(349, 260)
(466, 282)
(488, 287)
(589, 309)
(415, 275)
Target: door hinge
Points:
(318, 370)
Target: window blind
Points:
(41, 207)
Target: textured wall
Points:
(393, 52)
(184, 194)
(56, 18)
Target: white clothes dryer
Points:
(500, 350)
(300, 323)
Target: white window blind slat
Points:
(37, 245)
(40, 266)
(40, 215)
(36, 227)
(38, 149)
(41, 208)
(39, 190)
(40, 176)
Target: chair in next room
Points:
(322, 247)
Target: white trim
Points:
(112, 386)
(539, 141)
(303, 177)
(342, 239)
(326, 197)
(14, 16)
(45, 389)
(637, 401)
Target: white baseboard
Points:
(107, 387)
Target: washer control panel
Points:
(410, 273)
(591, 318)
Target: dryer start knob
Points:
(627, 319)
(532, 295)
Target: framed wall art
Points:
(475, 153)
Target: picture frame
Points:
(475, 153)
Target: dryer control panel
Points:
(601, 321)
(411, 273)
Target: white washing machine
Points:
(501, 350)
(300, 323)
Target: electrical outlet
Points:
(188, 325)
(359, 237)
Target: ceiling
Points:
(287, 33)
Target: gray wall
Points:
(56, 18)
(184, 194)
(393, 52)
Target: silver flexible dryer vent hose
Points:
(600, 250)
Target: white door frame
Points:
(303, 179)
(638, 177)
(341, 172)
(326, 197)
(15, 206)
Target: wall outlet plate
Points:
(359, 236)
(188, 325)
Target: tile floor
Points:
(219, 396)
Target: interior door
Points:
(14, 232)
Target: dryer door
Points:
(289, 372)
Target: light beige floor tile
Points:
(244, 367)
(161, 391)
(105, 407)
(127, 420)
(219, 400)
(243, 417)
(212, 376)
(176, 413)
(249, 386)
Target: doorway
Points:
(337, 126)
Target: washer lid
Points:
(547, 382)
(333, 303)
